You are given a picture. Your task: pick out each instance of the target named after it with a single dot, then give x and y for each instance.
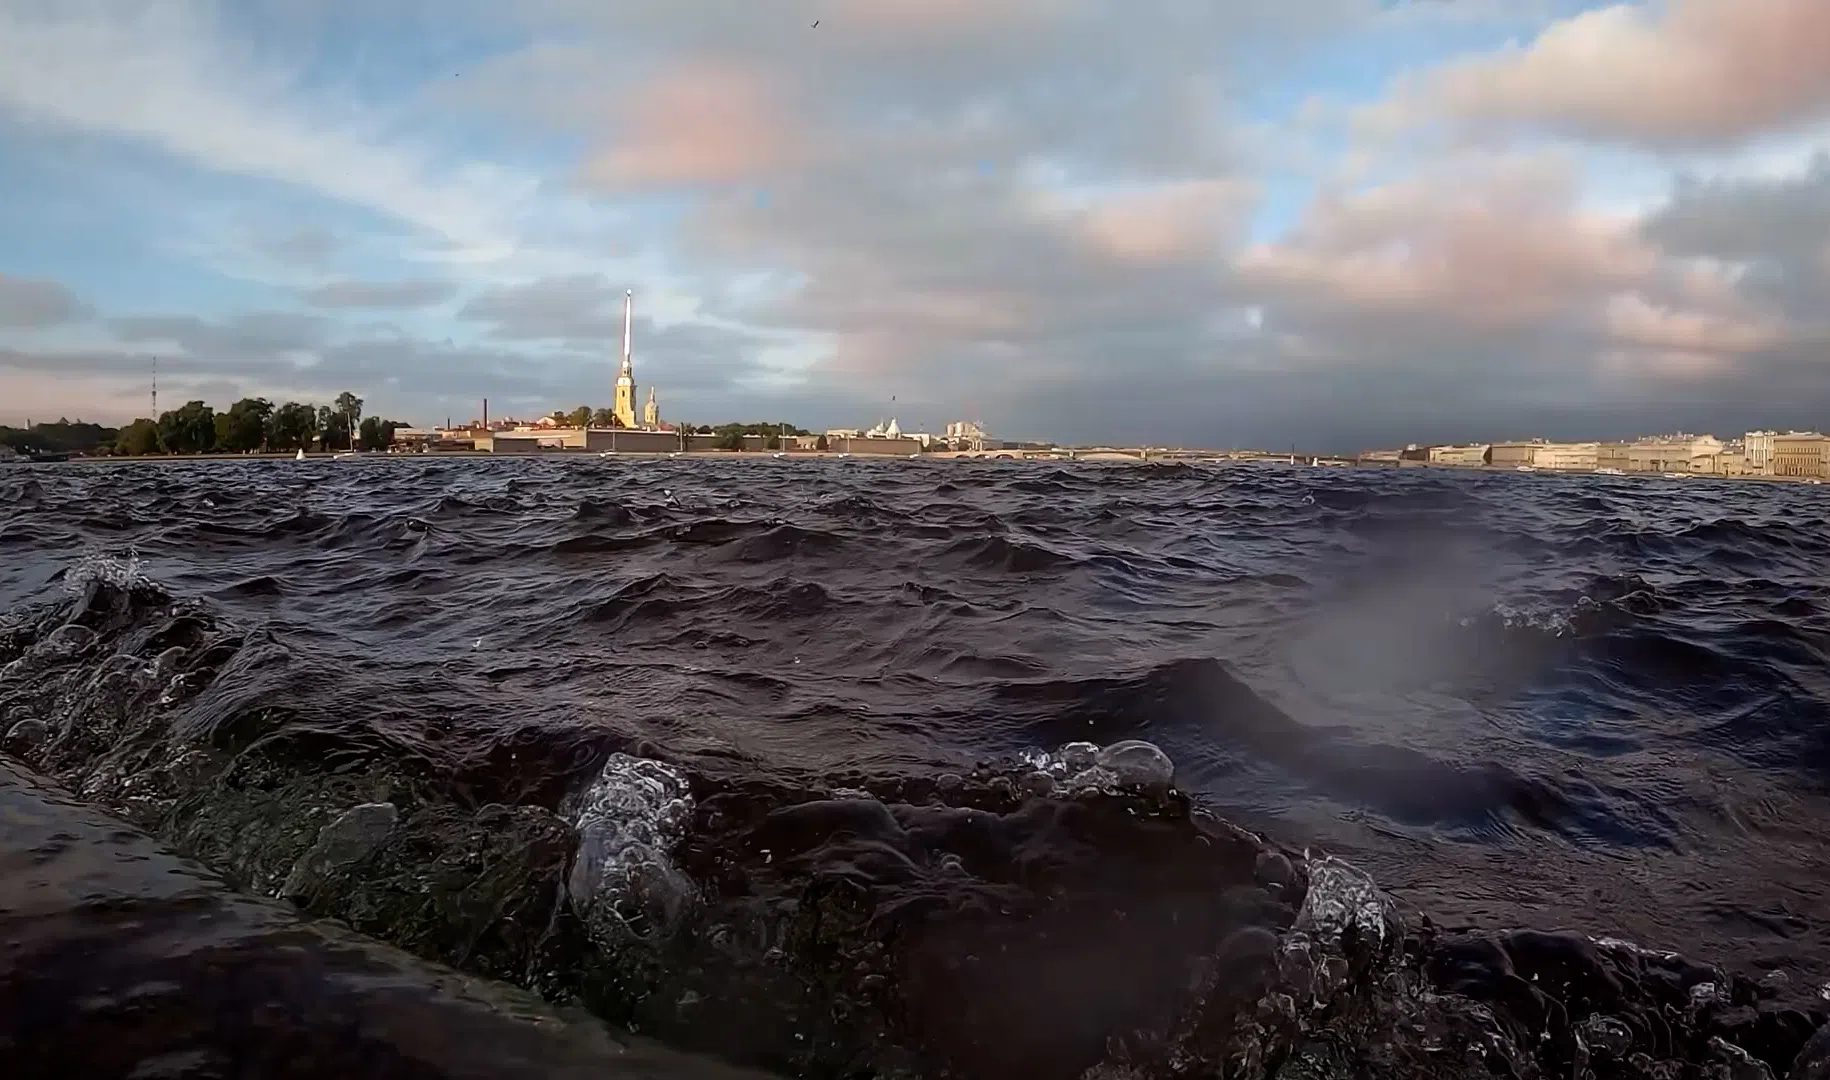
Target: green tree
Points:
(349, 407)
(603, 418)
(138, 438)
(333, 428)
(378, 434)
(188, 429)
(292, 427)
(730, 437)
(765, 428)
(820, 443)
(580, 417)
(775, 442)
(222, 432)
(247, 425)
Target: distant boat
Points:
(300, 456)
(1528, 468)
(1677, 475)
(606, 453)
(1609, 472)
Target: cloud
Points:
(1491, 263)
(381, 294)
(1777, 229)
(310, 246)
(573, 306)
(1633, 320)
(700, 123)
(32, 304)
(1687, 73)
(254, 339)
(166, 74)
(1488, 244)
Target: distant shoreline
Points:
(442, 454)
(1095, 457)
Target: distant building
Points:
(1758, 445)
(651, 412)
(1581, 456)
(1732, 461)
(1800, 453)
(1470, 454)
(872, 444)
(1673, 453)
(1613, 455)
(1511, 455)
(624, 405)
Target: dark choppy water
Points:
(1562, 703)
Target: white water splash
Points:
(629, 818)
(1632, 949)
(1556, 622)
(1083, 767)
(1342, 897)
(124, 571)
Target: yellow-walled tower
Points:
(624, 408)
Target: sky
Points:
(1343, 224)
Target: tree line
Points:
(730, 436)
(250, 425)
(63, 437)
(586, 416)
(257, 424)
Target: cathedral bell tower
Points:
(624, 408)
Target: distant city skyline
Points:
(1341, 223)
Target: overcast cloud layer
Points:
(1341, 223)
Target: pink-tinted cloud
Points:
(1499, 245)
(1687, 73)
(1166, 222)
(1498, 255)
(1633, 320)
(702, 122)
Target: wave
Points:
(1146, 773)
(1044, 915)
